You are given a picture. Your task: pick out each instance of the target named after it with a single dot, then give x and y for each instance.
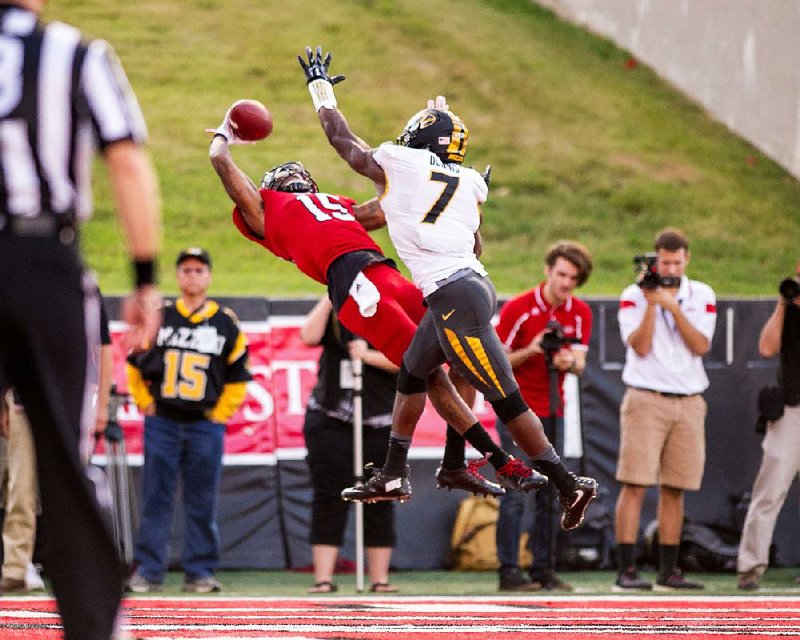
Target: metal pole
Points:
(550, 431)
(126, 528)
(358, 469)
(119, 480)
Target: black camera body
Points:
(647, 265)
(789, 289)
(554, 339)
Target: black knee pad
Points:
(509, 407)
(408, 383)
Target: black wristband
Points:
(144, 272)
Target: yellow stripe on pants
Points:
(483, 359)
(452, 338)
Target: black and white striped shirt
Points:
(60, 97)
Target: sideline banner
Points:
(270, 422)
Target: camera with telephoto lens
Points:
(555, 339)
(646, 265)
(789, 288)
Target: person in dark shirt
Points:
(781, 462)
(188, 384)
(328, 431)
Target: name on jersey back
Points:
(450, 166)
(202, 339)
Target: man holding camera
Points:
(545, 329)
(781, 461)
(667, 323)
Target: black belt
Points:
(61, 227)
(667, 394)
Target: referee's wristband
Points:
(144, 272)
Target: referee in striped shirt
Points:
(60, 98)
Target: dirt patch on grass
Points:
(666, 170)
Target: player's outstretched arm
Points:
(238, 185)
(354, 151)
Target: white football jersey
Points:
(432, 212)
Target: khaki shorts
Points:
(662, 440)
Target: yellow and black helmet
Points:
(443, 133)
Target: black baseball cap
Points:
(194, 252)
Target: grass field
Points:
(583, 145)
(778, 581)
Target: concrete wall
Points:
(738, 58)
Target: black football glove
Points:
(317, 68)
(320, 83)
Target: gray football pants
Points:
(457, 328)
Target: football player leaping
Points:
(431, 205)
(319, 233)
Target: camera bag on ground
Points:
(703, 547)
(473, 545)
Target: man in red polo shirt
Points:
(524, 321)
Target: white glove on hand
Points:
(227, 129)
(440, 104)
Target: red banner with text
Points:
(271, 419)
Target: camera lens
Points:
(789, 288)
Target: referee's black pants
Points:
(43, 353)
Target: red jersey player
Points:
(322, 235)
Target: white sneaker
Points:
(33, 581)
(202, 585)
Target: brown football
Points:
(250, 120)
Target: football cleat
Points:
(575, 502)
(514, 474)
(469, 479)
(380, 487)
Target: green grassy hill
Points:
(582, 145)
